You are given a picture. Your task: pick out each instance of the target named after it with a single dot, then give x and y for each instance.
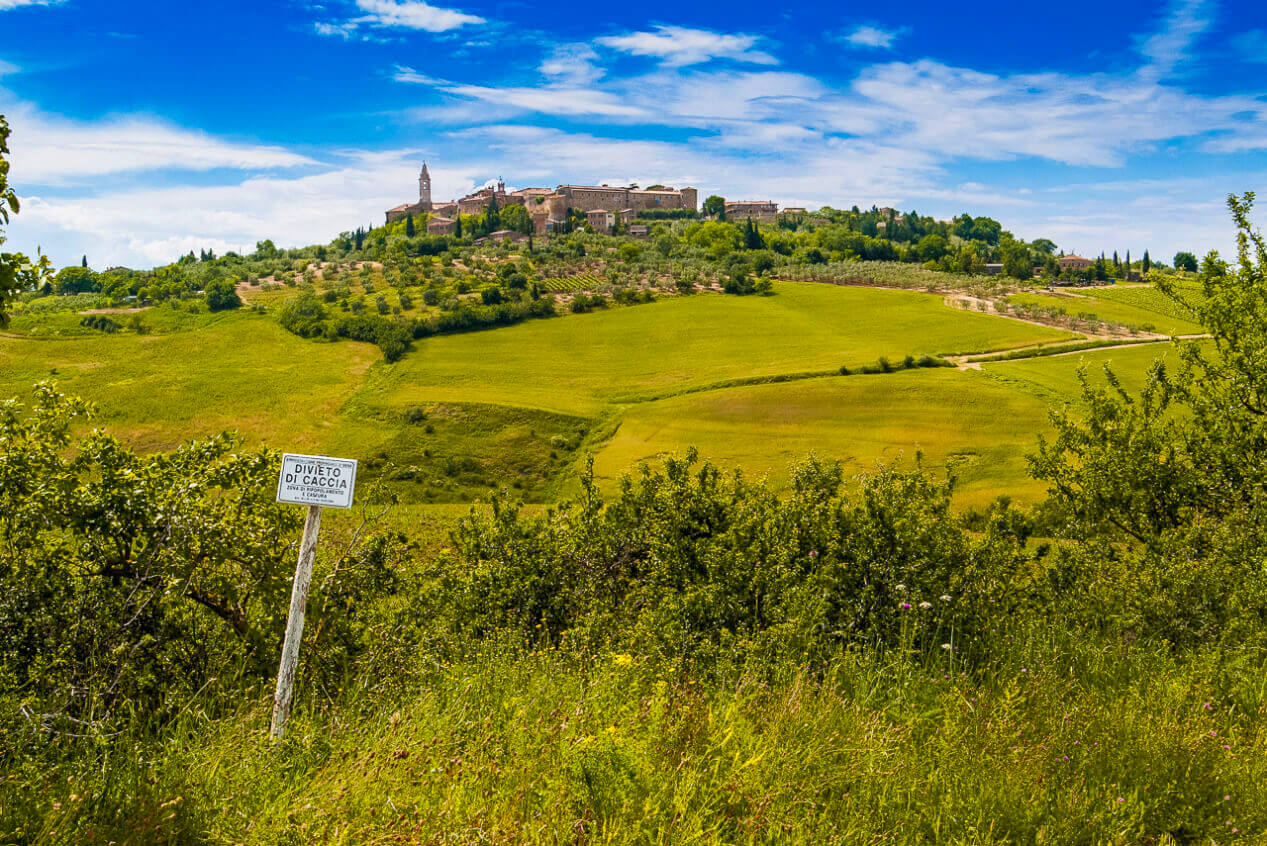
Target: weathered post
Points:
(312, 480)
(295, 622)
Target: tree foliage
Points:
(17, 272)
(1167, 491)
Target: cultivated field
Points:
(754, 382)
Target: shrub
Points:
(130, 582)
(687, 561)
(101, 323)
(222, 295)
(303, 316)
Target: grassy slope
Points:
(516, 406)
(241, 372)
(1139, 307)
(1054, 379)
(578, 365)
(965, 418)
(982, 423)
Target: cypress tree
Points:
(85, 262)
(409, 226)
(1148, 263)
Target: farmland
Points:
(1137, 307)
(754, 382)
(805, 650)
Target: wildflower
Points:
(813, 553)
(924, 606)
(902, 588)
(622, 660)
(945, 597)
(1120, 800)
(945, 646)
(906, 605)
(1023, 670)
(1227, 798)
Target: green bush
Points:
(689, 562)
(222, 295)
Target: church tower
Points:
(424, 188)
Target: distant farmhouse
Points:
(602, 205)
(758, 211)
(1074, 263)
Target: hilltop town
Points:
(553, 209)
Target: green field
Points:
(582, 364)
(1140, 307)
(238, 371)
(522, 406)
(980, 423)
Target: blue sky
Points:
(142, 130)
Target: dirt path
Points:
(119, 310)
(974, 362)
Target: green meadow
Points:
(753, 382)
(1139, 307)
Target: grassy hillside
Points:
(1140, 307)
(581, 364)
(521, 406)
(233, 371)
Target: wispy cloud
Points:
(47, 150)
(1169, 47)
(413, 14)
(678, 46)
(397, 14)
(872, 37)
(572, 64)
(5, 5)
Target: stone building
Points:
(441, 226)
(548, 207)
(759, 211)
(421, 207)
(1074, 263)
(601, 220)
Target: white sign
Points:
(317, 480)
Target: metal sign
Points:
(317, 480)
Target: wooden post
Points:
(295, 622)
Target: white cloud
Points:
(49, 150)
(890, 137)
(1167, 48)
(13, 4)
(552, 100)
(342, 30)
(678, 46)
(413, 14)
(409, 75)
(1053, 116)
(8, 68)
(873, 37)
(572, 64)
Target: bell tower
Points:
(424, 188)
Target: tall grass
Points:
(1063, 742)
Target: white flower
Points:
(945, 646)
(925, 605)
(945, 597)
(902, 588)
